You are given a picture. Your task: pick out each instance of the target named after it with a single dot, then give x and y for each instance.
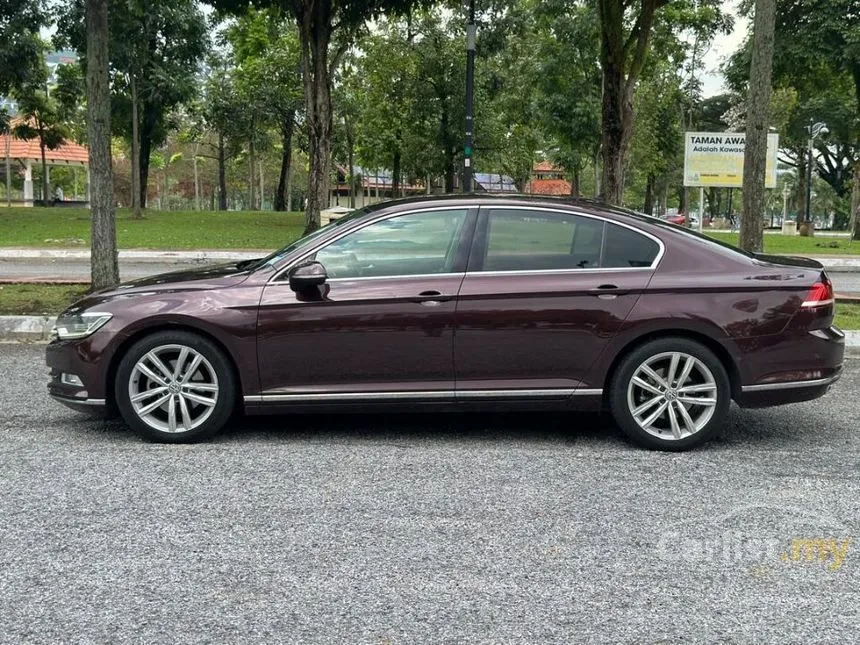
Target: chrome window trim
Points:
(606, 221)
(398, 277)
(417, 395)
(791, 385)
(276, 277)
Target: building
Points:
(547, 179)
(23, 155)
(371, 186)
(489, 182)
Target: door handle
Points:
(607, 291)
(431, 298)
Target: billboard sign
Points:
(716, 159)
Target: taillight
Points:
(820, 295)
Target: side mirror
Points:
(307, 276)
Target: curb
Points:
(25, 329)
(34, 329)
(191, 257)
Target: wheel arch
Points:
(126, 344)
(719, 350)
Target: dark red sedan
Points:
(461, 302)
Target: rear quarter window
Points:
(625, 248)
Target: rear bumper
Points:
(769, 394)
(798, 366)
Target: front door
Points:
(544, 293)
(382, 325)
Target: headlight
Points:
(79, 325)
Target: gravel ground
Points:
(538, 528)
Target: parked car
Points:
(463, 302)
(681, 220)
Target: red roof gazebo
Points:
(26, 154)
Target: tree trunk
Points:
(287, 127)
(165, 196)
(289, 189)
(350, 156)
(648, 207)
(104, 266)
(252, 182)
(758, 120)
(262, 194)
(597, 173)
(854, 226)
(621, 59)
(135, 154)
(150, 118)
(575, 183)
(314, 18)
(196, 176)
(222, 175)
(8, 170)
(395, 175)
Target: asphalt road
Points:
(537, 528)
(78, 270)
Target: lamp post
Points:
(470, 91)
(815, 130)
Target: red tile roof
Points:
(548, 187)
(69, 152)
(545, 166)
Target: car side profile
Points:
(461, 303)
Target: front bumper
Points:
(84, 359)
(95, 407)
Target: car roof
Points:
(482, 199)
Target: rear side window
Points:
(627, 249)
(536, 240)
(523, 240)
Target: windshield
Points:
(275, 257)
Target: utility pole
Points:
(470, 91)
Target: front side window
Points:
(524, 240)
(411, 244)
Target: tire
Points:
(687, 414)
(196, 402)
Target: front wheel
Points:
(175, 387)
(670, 394)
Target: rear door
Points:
(544, 292)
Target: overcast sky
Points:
(723, 47)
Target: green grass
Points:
(172, 230)
(38, 299)
(848, 316)
(796, 245)
(51, 299)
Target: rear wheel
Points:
(670, 394)
(175, 387)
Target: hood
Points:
(208, 277)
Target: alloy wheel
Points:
(173, 388)
(672, 395)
